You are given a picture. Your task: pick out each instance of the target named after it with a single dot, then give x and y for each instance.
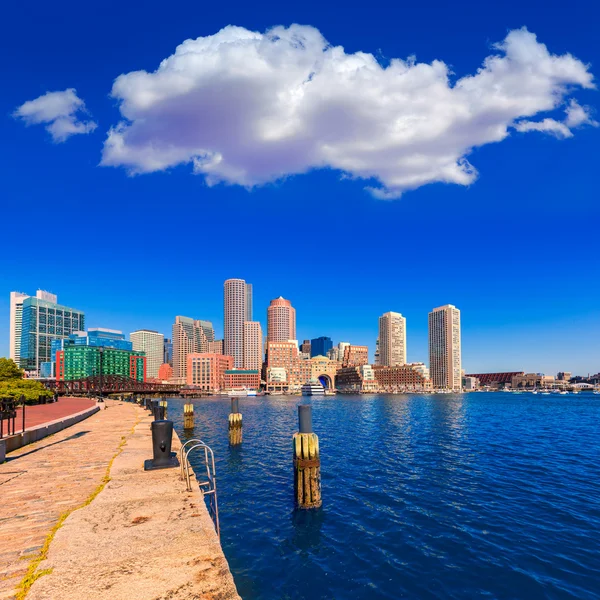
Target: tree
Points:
(12, 384)
(9, 370)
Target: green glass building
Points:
(78, 362)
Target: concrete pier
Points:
(81, 519)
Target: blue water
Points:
(485, 495)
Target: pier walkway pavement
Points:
(49, 478)
(137, 535)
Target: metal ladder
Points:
(208, 487)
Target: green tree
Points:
(9, 370)
(12, 384)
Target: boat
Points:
(534, 391)
(563, 393)
(241, 392)
(313, 388)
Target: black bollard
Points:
(162, 438)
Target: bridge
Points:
(109, 384)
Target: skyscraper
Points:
(42, 322)
(281, 321)
(320, 346)
(16, 315)
(444, 347)
(153, 344)
(237, 305)
(189, 336)
(168, 352)
(253, 345)
(392, 339)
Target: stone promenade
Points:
(142, 537)
(41, 481)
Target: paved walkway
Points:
(42, 481)
(44, 413)
(143, 538)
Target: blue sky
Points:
(516, 250)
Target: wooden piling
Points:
(307, 463)
(163, 403)
(188, 416)
(235, 424)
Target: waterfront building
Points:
(165, 372)
(152, 344)
(495, 380)
(564, 376)
(42, 322)
(355, 356)
(168, 352)
(281, 320)
(392, 339)
(253, 346)
(283, 357)
(189, 336)
(402, 378)
(320, 346)
(356, 380)
(237, 309)
(470, 383)
(305, 347)
(206, 371)
(444, 348)
(532, 381)
(216, 347)
(79, 361)
(240, 379)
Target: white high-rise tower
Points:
(444, 348)
(392, 339)
(153, 344)
(237, 308)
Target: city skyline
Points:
(423, 356)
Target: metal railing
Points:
(208, 487)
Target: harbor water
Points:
(481, 495)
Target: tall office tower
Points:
(42, 322)
(253, 345)
(189, 336)
(237, 305)
(153, 344)
(168, 352)
(16, 316)
(281, 321)
(392, 339)
(320, 346)
(16, 313)
(376, 358)
(444, 347)
(216, 347)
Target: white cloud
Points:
(60, 111)
(249, 108)
(560, 130)
(578, 115)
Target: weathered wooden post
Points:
(163, 403)
(235, 423)
(307, 463)
(188, 416)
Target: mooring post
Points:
(188, 416)
(163, 403)
(235, 423)
(307, 463)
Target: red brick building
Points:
(239, 379)
(206, 371)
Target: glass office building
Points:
(43, 322)
(78, 362)
(320, 346)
